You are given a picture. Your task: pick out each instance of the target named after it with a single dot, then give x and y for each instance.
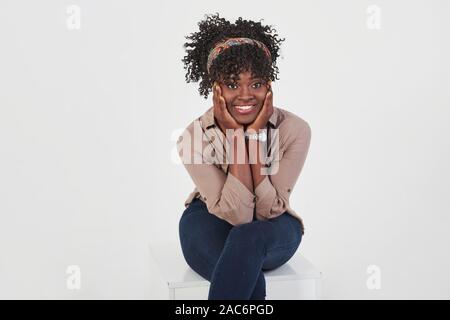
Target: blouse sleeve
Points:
(273, 192)
(224, 194)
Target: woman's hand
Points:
(266, 112)
(223, 117)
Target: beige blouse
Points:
(225, 196)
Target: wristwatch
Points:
(262, 136)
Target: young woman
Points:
(237, 222)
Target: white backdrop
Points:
(89, 118)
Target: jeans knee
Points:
(248, 233)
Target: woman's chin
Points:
(244, 123)
(244, 120)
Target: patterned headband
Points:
(233, 42)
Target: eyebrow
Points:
(252, 78)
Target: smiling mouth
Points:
(245, 109)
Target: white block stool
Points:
(297, 279)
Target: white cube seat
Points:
(298, 279)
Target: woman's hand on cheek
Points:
(223, 117)
(265, 113)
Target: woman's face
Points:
(244, 96)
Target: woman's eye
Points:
(258, 85)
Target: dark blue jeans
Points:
(233, 258)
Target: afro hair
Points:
(235, 59)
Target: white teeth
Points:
(244, 107)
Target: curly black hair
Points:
(235, 59)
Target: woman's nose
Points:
(245, 94)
